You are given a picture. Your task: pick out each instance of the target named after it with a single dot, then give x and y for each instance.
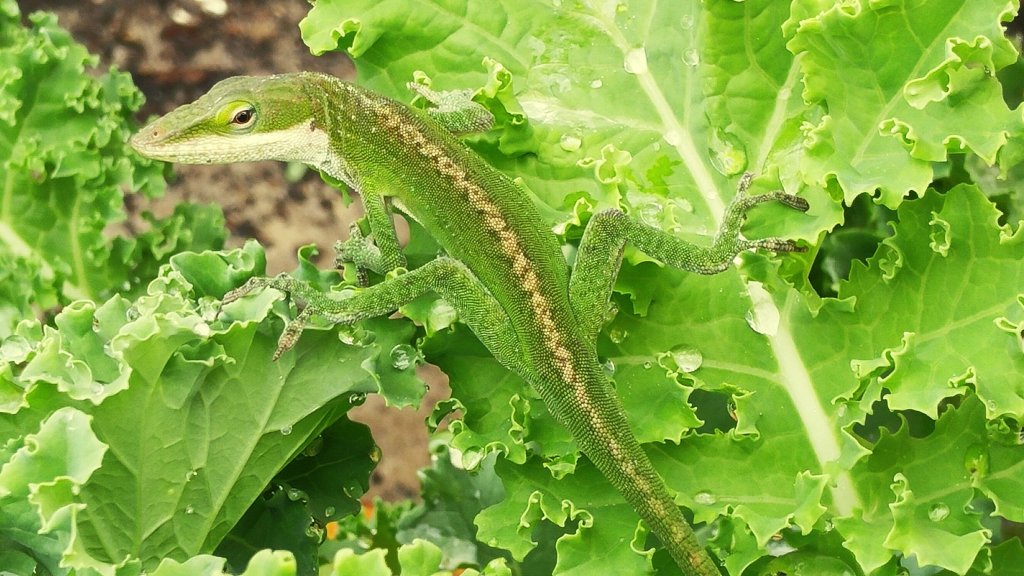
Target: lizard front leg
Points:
(381, 255)
(445, 276)
(455, 110)
(600, 252)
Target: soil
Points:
(175, 50)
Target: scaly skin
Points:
(504, 269)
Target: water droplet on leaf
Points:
(356, 336)
(404, 356)
(315, 532)
(609, 368)
(727, 153)
(705, 498)
(763, 317)
(650, 214)
(682, 359)
(691, 57)
(353, 490)
(286, 430)
(976, 460)
(570, 142)
(617, 335)
(636, 61)
(938, 512)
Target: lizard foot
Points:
(250, 285)
(316, 304)
(742, 203)
(358, 250)
(728, 241)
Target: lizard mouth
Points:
(143, 140)
(152, 142)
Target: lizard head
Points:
(240, 119)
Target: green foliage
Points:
(870, 427)
(764, 405)
(64, 166)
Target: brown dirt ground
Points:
(175, 50)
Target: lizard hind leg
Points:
(600, 251)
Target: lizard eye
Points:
(243, 117)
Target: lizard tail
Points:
(591, 412)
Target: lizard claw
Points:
(235, 294)
(775, 245)
(729, 242)
(290, 335)
(794, 202)
(742, 203)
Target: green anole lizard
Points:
(503, 271)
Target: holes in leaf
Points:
(918, 424)
(716, 409)
(865, 225)
(541, 560)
